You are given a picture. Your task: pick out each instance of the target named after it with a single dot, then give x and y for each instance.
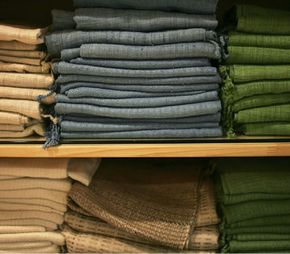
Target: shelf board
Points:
(174, 150)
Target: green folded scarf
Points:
(257, 55)
(257, 237)
(265, 129)
(258, 230)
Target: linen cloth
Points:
(24, 68)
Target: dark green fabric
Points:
(265, 129)
(258, 237)
(280, 229)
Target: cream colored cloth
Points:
(24, 53)
(57, 207)
(17, 45)
(24, 68)
(21, 33)
(10, 127)
(21, 60)
(25, 94)
(83, 170)
(8, 177)
(50, 226)
(48, 249)
(56, 196)
(37, 129)
(16, 230)
(23, 245)
(22, 207)
(13, 118)
(26, 80)
(63, 185)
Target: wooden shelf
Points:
(240, 149)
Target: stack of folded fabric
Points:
(33, 200)
(254, 200)
(256, 92)
(24, 79)
(159, 207)
(139, 72)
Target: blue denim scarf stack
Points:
(136, 70)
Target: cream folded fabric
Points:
(25, 94)
(49, 226)
(24, 68)
(24, 53)
(21, 60)
(57, 207)
(13, 118)
(83, 170)
(21, 33)
(37, 129)
(22, 207)
(35, 183)
(48, 249)
(26, 80)
(17, 45)
(23, 245)
(16, 230)
(10, 127)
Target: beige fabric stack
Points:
(33, 200)
(25, 78)
(155, 207)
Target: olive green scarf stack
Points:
(254, 202)
(256, 91)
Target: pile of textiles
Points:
(130, 73)
(24, 81)
(157, 207)
(254, 200)
(256, 92)
(33, 200)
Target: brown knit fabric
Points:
(10, 127)
(164, 201)
(37, 129)
(25, 68)
(36, 54)
(17, 45)
(13, 118)
(21, 60)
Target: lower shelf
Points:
(174, 150)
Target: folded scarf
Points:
(56, 42)
(62, 20)
(69, 54)
(269, 129)
(146, 64)
(26, 80)
(25, 94)
(257, 55)
(17, 230)
(259, 40)
(14, 247)
(48, 249)
(10, 127)
(33, 54)
(24, 68)
(17, 45)
(37, 129)
(170, 51)
(63, 79)
(143, 102)
(259, 20)
(196, 6)
(13, 118)
(139, 20)
(172, 219)
(21, 60)
(186, 110)
(49, 226)
(22, 34)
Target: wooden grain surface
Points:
(148, 150)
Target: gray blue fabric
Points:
(145, 88)
(142, 102)
(139, 20)
(63, 79)
(56, 42)
(62, 20)
(190, 6)
(178, 111)
(69, 54)
(69, 68)
(70, 126)
(171, 51)
(145, 64)
(147, 134)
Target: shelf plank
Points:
(257, 149)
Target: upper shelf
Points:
(241, 149)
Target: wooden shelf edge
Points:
(259, 149)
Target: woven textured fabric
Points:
(149, 64)
(139, 20)
(22, 34)
(17, 45)
(23, 53)
(257, 55)
(178, 111)
(64, 79)
(170, 51)
(166, 195)
(196, 6)
(21, 60)
(26, 80)
(13, 118)
(37, 129)
(258, 40)
(62, 20)
(24, 68)
(276, 113)
(17, 230)
(49, 226)
(10, 127)
(69, 54)
(56, 42)
(23, 245)
(25, 94)
(269, 129)
(48, 249)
